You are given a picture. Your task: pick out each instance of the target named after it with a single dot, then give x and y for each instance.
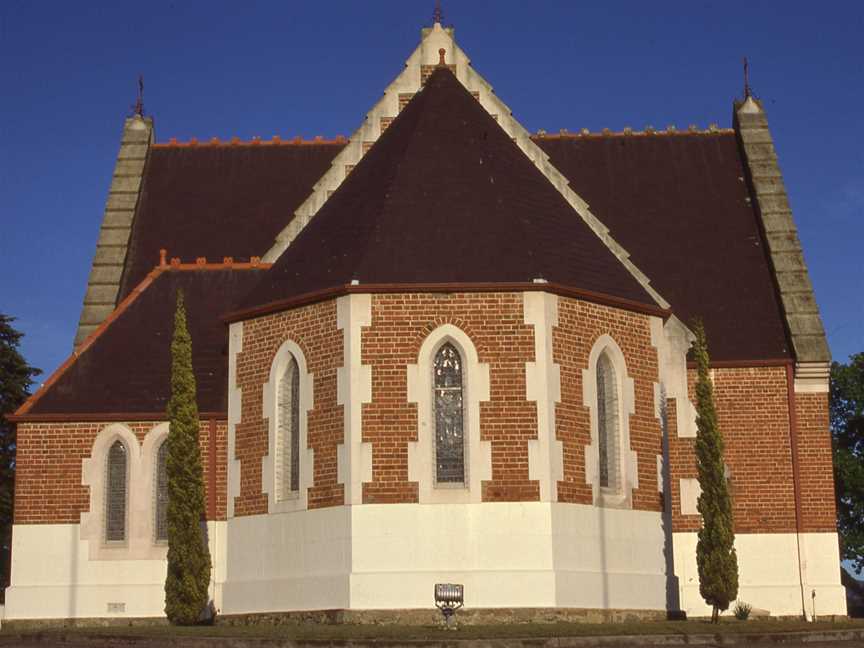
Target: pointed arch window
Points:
(116, 487)
(160, 521)
(607, 424)
(288, 439)
(449, 417)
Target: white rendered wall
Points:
(389, 556)
(768, 576)
(53, 576)
(298, 560)
(507, 554)
(609, 558)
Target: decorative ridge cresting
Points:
(649, 131)
(201, 263)
(164, 265)
(276, 140)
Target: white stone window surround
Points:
(140, 495)
(475, 388)
(269, 478)
(622, 496)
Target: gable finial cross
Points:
(139, 102)
(747, 91)
(437, 14)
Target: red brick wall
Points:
(495, 324)
(753, 415)
(313, 329)
(580, 324)
(48, 488)
(815, 463)
(216, 503)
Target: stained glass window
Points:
(607, 422)
(161, 520)
(115, 493)
(289, 430)
(449, 420)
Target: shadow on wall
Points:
(73, 571)
(673, 598)
(5, 559)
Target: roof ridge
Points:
(276, 140)
(445, 165)
(649, 131)
(163, 266)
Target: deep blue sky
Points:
(68, 76)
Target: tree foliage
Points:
(188, 578)
(715, 550)
(16, 378)
(847, 430)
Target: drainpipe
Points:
(796, 481)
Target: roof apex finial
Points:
(747, 91)
(437, 14)
(139, 102)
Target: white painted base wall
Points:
(768, 576)
(530, 554)
(54, 578)
(390, 556)
(298, 560)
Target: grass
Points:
(310, 631)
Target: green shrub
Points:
(742, 610)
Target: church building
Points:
(441, 350)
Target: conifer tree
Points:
(715, 551)
(16, 378)
(188, 579)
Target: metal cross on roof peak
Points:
(437, 14)
(139, 102)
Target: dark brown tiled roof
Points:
(217, 201)
(445, 196)
(679, 205)
(126, 367)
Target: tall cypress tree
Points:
(188, 579)
(715, 550)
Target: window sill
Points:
(613, 498)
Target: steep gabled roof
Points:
(680, 205)
(446, 196)
(217, 200)
(124, 366)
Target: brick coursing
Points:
(495, 324)
(752, 407)
(580, 324)
(48, 488)
(220, 498)
(753, 415)
(313, 329)
(815, 463)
